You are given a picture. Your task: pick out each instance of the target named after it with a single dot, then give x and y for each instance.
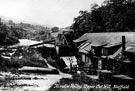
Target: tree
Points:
(112, 16)
(55, 29)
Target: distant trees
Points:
(10, 32)
(43, 35)
(55, 29)
(111, 16)
(36, 32)
(5, 35)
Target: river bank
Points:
(29, 82)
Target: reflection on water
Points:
(32, 82)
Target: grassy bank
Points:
(78, 83)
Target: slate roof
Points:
(107, 38)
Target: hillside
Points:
(6, 35)
(111, 16)
(25, 30)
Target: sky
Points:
(58, 13)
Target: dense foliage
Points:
(111, 16)
(10, 32)
(6, 36)
(26, 57)
(29, 31)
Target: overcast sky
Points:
(46, 12)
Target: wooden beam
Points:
(42, 43)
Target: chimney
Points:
(123, 43)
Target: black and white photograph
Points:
(67, 45)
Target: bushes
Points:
(30, 58)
